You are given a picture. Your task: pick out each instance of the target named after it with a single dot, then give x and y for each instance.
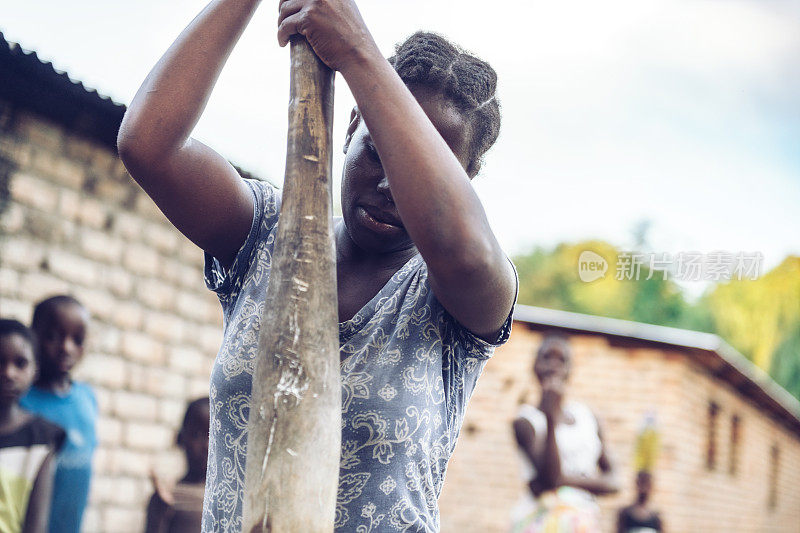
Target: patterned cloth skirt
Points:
(565, 510)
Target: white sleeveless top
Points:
(578, 443)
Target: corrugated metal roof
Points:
(28, 82)
(720, 359)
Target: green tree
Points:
(549, 278)
(759, 316)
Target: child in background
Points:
(180, 510)
(59, 324)
(28, 444)
(640, 517)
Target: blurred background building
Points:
(730, 437)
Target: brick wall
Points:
(76, 223)
(621, 384)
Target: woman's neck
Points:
(348, 251)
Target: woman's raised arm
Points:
(195, 187)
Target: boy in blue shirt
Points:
(60, 325)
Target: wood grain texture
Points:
(294, 431)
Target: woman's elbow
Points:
(129, 145)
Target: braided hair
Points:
(430, 60)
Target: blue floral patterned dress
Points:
(408, 369)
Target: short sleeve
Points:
(266, 204)
(481, 348)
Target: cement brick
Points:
(195, 307)
(59, 169)
(98, 158)
(111, 191)
(12, 219)
(134, 406)
(163, 237)
(120, 173)
(199, 387)
(93, 213)
(164, 327)
(9, 281)
(100, 246)
(49, 227)
(145, 207)
(106, 370)
(34, 192)
(192, 274)
(101, 488)
(103, 396)
(157, 381)
(133, 463)
(142, 348)
(124, 519)
(39, 132)
(117, 280)
(22, 253)
(92, 521)
(210, 338)
(127, 315)
(99, 302)
(171, 270)
(189, 360)
(171, 411)
(109, 431)
(19, 153)
(156, 294)
(36, 286)
(147, 436)
(72, 268)
(141, 260)
(69, 204)
(16, 309)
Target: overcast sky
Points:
(685, 113)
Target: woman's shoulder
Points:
(533, 415)
(580, 410)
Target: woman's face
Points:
(368, 209)
(553, 361)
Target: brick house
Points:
(72, 220)
(730, 437)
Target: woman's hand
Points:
(334, 28)
(552, 396)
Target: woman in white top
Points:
(563, 454)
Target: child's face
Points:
(194, 438)
(17, 367)
(61, 339)
(369, 213)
